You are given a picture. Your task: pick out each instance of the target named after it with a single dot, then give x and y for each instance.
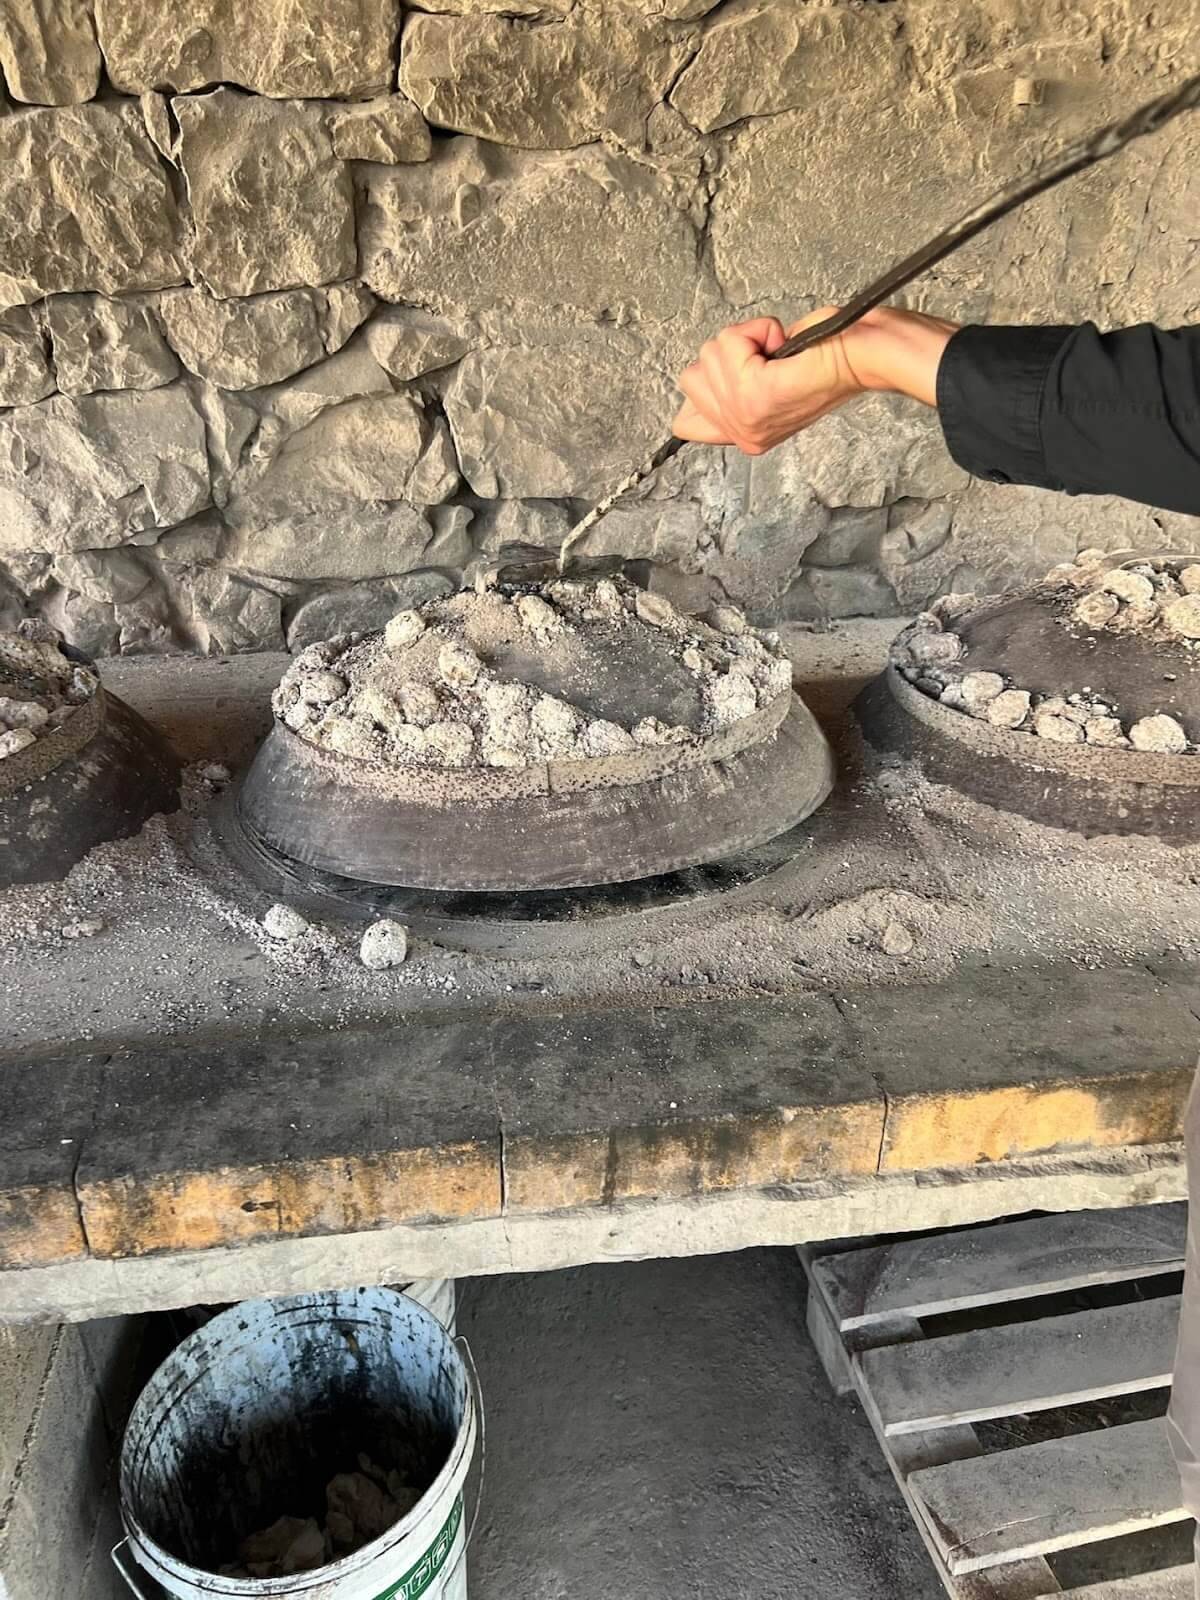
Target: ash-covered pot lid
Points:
(535, 735)
(1103, 653)
(524, 690)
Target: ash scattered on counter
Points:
(183, 947)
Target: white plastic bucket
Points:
(251, 1416)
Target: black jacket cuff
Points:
(990, 384)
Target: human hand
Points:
(736, 396)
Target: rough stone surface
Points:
(1009, 709)
(545, 9)
(820, 245)
(527, 425)
(292, 47)
(292, 512)
(1095, 609)
(99, 343)
(408, 342)
(564, 83)
(482, 226)
(1161, 734)
(765, 56)
(390, 129)
(877, 451)
(271, 204)
(225, 615)
(244, 343)
(84, 205)
(98, 471)
(1183, 616)
(353, 543)
(25, 372)
(48, 51)
(284, 922)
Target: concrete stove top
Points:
(927, 1012)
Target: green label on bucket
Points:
(417, 1580)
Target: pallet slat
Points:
(1049, 1496)
(1005, 1261)
(1169, 1583)
(908, 1453)
(1023, 1367)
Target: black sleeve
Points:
(1077, 410)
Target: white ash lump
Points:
(466, 681)
(384, 945)
(284, 922)
(1155, 597)
(39, 690)
(1158, 596)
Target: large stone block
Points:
(63, 1404)
(25, 373)
(809, 208)
(351, 374)
(333, 489)
(281, 48)
(556, 422)
(587, 233)
(115, 577)
(91, 473)
(100, 343)
(272, 206)
(564, 83)
(823, 592)
(242, 344)
(389, 129)
(226, 615)
(84, 205)
(352, 542)
(760, 57)
(360, 450)
(408, 342)
(48, 51)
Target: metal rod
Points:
(1072, 158)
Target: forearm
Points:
(898, 352)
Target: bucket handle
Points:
(118, 1561)
(464, 1349)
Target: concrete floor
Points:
(664, 1429)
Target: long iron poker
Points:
(1072, 158)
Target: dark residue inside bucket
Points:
(287, 1478)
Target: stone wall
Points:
(305, 303)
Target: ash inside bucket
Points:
(340, 1423)
(360, 1506)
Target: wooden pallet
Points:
(990, 1517)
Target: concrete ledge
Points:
(782, 1214)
